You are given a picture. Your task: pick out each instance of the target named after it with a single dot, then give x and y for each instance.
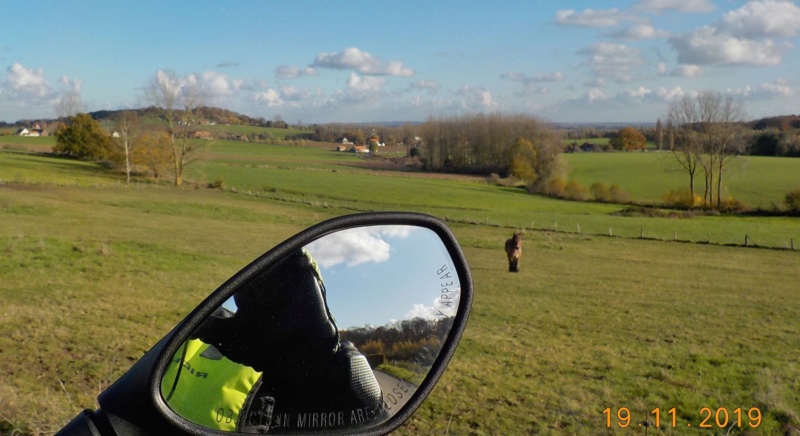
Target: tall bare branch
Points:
(178, 100)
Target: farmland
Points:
(608, 311)
(759, 182)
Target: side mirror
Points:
(343, 328)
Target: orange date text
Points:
(707, 417)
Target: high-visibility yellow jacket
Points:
(211, 389)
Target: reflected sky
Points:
(382, 274)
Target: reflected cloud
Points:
(356, 246)
(444, 306)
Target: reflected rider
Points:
(284, 331)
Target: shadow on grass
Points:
(62, 166)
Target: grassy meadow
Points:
(757, 181)
(94, 271)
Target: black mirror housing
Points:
(135, 403)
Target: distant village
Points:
(36, 130)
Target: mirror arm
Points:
(128, 406)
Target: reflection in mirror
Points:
(338, 335)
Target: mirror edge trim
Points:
(301, 239)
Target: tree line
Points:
(517, 145)
(415, 340)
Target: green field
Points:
(93, 272)
(759, 182)
(11, 142)
(250, 130)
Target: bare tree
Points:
(670, 135)
(659, 135)
(126, 125)
(70, 104)
(682, 115)
(729, 138)
(707, 135)
(178, 100)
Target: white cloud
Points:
(670, 94)
(708, 46)
(683, 70)
(476, 98)
(519, 77)
(26, 84)
(639, 32)
(687, 71)
(554, 77)
(689, 6)
(269, 96)
(364, 83)
(440, 306)
(531, 86)
(515, 76)
(286, 72)
(291, 93)
(397, 69)
(351, 247)
(218, 85)
(764, 91)
(616, 62)
(639, 92)
(534, 89)
(400, 232)
(71, 84)
(170, 82)
(595, 94)
(354, 59)
(589, 17)
(425, 85)
(765, 18)
(779, 89)
(596, 83)
(356, 246)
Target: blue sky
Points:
(384, 274)
(381, 275)
(360, 61)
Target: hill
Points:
(783, 123)
(210, 115)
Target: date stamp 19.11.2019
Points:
(707, 417)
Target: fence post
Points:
(610, 232)
(579, 228)
(641, 232)
(746, 240)
(555, 225)
(675, 235)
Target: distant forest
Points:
(415, 340)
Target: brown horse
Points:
(514, 252)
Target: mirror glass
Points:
(337, 335)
